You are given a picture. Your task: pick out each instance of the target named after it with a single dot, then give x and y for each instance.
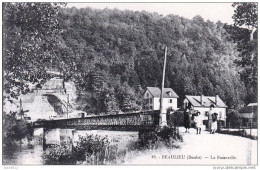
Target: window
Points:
(151, 101)
(220, 114)
(185, 105)
(170, 101)
(151, 107)
(147, 94)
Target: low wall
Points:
(241, 132)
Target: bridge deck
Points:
(124, 122)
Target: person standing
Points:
(187, 120)
(198, 122)
(210, 113)
(214, 125)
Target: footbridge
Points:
(123, 122)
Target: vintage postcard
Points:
(130, 84)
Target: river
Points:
(25, 154)
(243, 149)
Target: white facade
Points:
(221, 111)
(153, 103)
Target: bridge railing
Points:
(144, 118)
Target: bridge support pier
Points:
(38, 135)
(61, 137)
(50, 137)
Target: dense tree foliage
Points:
(30, 32)
(246, 15)
(244, 34)
(13, 130)
(114, 55)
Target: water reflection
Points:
(23, 155)
(31, 154)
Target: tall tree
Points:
(30, 36)
(246, 15)
(245, 18)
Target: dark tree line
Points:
(30, 32)
(244, 33)
(113, 55)
(117, 54)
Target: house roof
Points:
(167, 92)
(252, 104)
(247, 115)
(206, 101)
(248, 109)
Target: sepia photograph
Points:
(116, 83)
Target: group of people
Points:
(198, 120)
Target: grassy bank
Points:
(98, 150)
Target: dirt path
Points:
(211, 149)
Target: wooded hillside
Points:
(114, 55)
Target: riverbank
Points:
(30, 153)
(206, 149)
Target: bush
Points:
(161, 137)
(90, 146)
(89, 149)
(58, 155)
(148, 139)
(169, 136)
(165, 133)
(175, 119)
(14, 130)
(97, 150)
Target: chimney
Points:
(216, 100)
(201, 99)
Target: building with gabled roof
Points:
(152, 99)
(202, 104)
(249, 112)
(249, 115)
(205, 101)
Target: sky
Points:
(209, 11)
